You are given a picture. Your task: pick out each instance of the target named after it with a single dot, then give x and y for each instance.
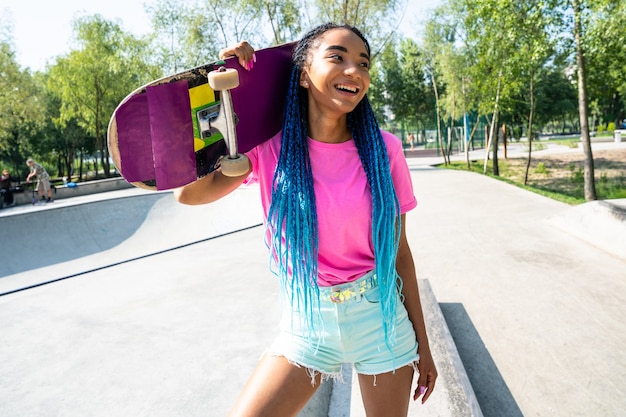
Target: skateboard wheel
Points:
(235, 166)
(224, 79)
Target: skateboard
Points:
(174, 130)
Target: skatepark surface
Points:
(128, 304)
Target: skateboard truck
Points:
(224, 79)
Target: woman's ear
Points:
(303, 80)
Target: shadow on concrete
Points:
(491, 390)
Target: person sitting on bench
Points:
(6, 190)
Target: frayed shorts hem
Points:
(311, 371)
(412, 363)
(338, 376)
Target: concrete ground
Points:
(167, 315)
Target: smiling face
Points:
(336, 74)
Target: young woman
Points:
(335, 190)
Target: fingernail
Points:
(254, 57)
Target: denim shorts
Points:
(351, 331)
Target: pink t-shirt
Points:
(343, 198)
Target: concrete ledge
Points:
(601, 223)
(453, 395)
(82, 188)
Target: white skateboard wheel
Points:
(235, 166)
(224, 79)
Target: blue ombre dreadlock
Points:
(292, 216)
(385, 209)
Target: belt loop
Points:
(359, 292)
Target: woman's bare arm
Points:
(410, 290)
(208, 189)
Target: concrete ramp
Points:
(43, 238)
(601, 223)
(73, 239)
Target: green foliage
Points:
(91, 80)
(504, 176)
(605, 41)
(376, 18)
(570, 143)
(190, 34)
(611, 188)
(577, 176)
(556, 96)
(376, 93)
(571, 191)
(403, 81)
(20, 111)
(606, 187)
(174, 38)
(541, 168)
(285, 19)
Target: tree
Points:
(461, 96)
(534, 47)
(605, 53)
(20, 110)
(377, 92)
(557, 96)
(284, 17)
(235, 20)
(436, 36)
(66, 139)
(379, 19)
(186, 34)
(583, 105)
(490, 29)
(414, 100)
(171, 23)
(91, 80)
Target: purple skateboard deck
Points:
(160, 136)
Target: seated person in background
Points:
(6, 190)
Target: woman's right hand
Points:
(244, 53)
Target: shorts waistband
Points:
(351, 290)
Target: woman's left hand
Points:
(244, 53)
(427, 376)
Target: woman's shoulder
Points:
(271, 143)
(388, 136)
(270, 149)
(393, 143)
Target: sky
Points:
(42, 29)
